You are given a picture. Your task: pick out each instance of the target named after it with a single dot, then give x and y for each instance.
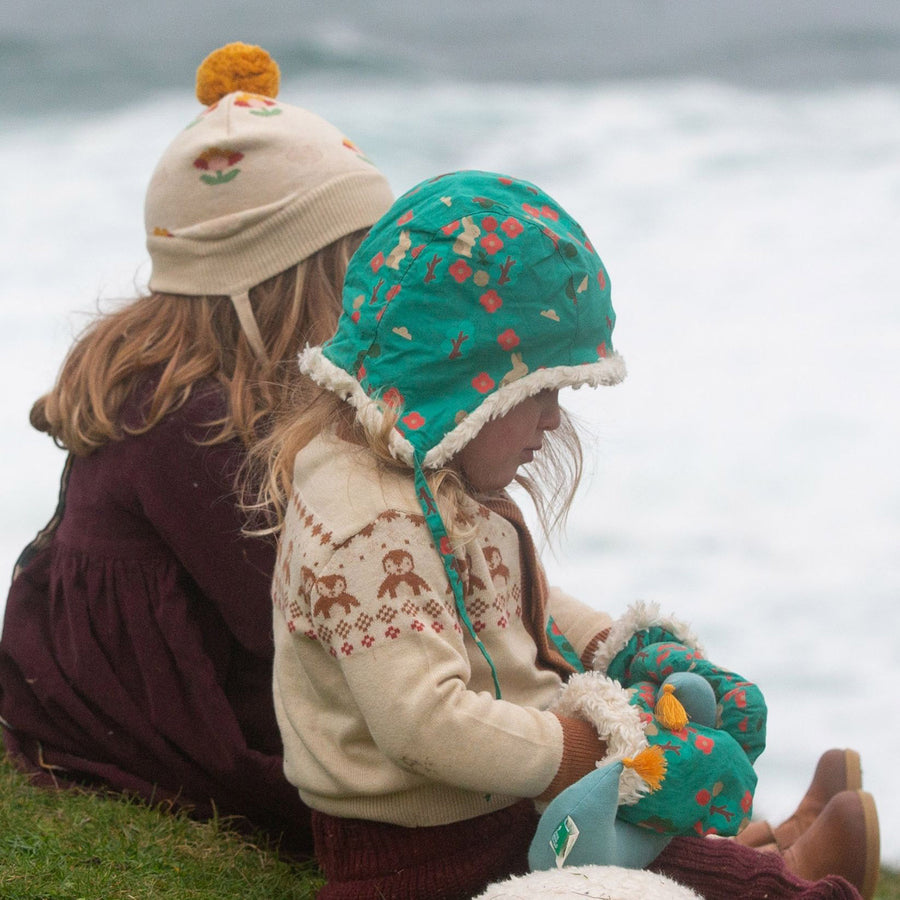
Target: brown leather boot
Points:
(837, 770)
(843, 840)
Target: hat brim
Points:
(608, 370)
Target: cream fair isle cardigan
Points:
(386, 706)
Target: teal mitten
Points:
(740, 706)
(709, 779)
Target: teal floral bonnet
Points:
(474, 291)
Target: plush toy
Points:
(682, 735)
(598, 882)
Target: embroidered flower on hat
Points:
(258, 105)
(219, 161)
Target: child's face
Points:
(490, 460)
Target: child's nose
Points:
(550, 415)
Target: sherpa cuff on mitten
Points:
(641, 617)
(605, 704)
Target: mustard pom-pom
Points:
(237, 67)
(650, 764)
(669, 711)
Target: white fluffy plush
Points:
(603, 702)
(600, 882)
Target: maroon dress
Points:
(137, 650)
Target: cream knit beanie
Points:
(252, 187)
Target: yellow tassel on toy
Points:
(237, 67)
(650, 764)
(669, 711)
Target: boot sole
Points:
(853, 770)
(873, 846)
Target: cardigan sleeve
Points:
(584, 626)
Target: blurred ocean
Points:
(738, 168)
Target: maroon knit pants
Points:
(723, 870)
(374, 861)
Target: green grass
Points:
(78, 846)
(888, 886)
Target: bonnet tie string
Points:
(452, 566)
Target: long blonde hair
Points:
(550, 482)
(187, 339)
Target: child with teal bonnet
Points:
(444, 710)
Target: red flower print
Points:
(219, 161)
(437, 627)
(531, 210)
(747, 801)
(704, 744)
(460, 270)
(506, 181)
(416, 625)
(392, 632)
(483, 383)
(216, 159)
(393, 397)
(449, 229)
(491, 301)
(445, 547)
(549, 213)
(491, 243)
(703, 797)
(367, 641)
(392, 293)
(413, 421)
(601, 350)
(346, 648)
(512, 227)
(601, 279)
(377, 261)
(355, 318)
(738, 696)
(488, 223)
(406, 217)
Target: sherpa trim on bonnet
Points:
(472, 293)
(252, 186)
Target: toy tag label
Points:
(563, 840)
